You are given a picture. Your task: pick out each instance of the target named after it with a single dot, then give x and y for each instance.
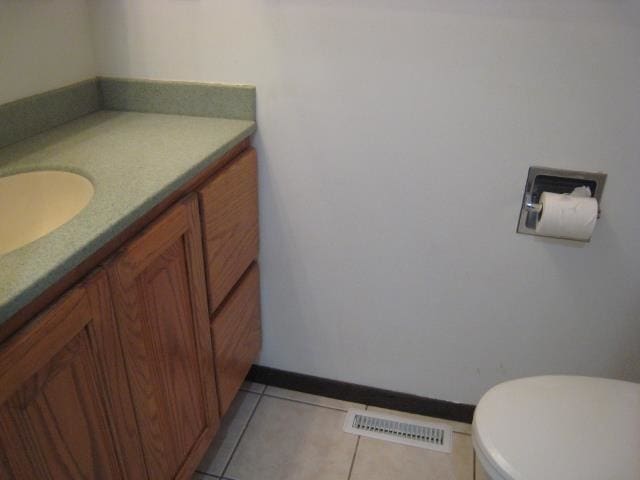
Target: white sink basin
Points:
(36, 203)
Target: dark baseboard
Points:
(350, 392)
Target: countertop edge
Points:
(48, 279)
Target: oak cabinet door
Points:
(237, 336)
(65, 406)
(229, 206)
(159, 293)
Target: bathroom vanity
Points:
(123, 365)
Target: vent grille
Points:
(399, 430)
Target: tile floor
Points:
(276, 434)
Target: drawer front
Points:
(237, 336)
(229, 207)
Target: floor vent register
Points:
(432, 436)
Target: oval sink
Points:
(35, 203)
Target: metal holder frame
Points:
(554, 180)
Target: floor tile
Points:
(288, 440)
(379, 460)
(480, 474)
(233, 424)
(458, 427)
(253, 387)
(312, 399)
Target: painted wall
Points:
(394, 139)
(43, 45)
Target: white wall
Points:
(44, 44)
(395, 137)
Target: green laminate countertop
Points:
(134, 161)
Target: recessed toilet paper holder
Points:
(542, 179)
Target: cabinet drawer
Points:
(237, 336)
(229, 208)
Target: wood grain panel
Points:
(160, 300)
(229, 208)
(27, 353)
(109, 358)
(56, 407)
(167, 301)
(237, 336)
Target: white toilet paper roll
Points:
(567, 216)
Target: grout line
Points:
(235, 448)
(226, 423)
(474, 466)
(305, 403)
(353, 459)
(432, 418)
(355, 452)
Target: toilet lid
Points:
(560, 427)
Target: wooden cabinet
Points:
(237, 336)
(229, 206)
(65, 409)
(117, 380)
(160, 299)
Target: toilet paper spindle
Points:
(530, 205)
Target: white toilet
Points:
(559, 428)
